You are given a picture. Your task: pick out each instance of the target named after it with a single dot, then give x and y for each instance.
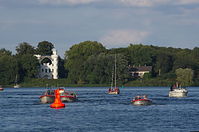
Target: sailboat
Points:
(114, 90)
(16, 85)
(1, 88)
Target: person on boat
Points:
(145, 97)
(110, 90)
(136, 97)
(171, 88)
(174, 87)
(177, 85)
(117, 90)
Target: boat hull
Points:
(50, 99)
(16, 86)
(115, 92)
(142, 102)
(177, 94)
(68, 99)
(47, 99)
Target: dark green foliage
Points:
(98, 69)
(140, 55)
(28, 66)
(76, 57)
(44, 48)
(185, 76)
(89, 63)
(62, 72)
(25, 48)
(5, 52)
(8, 69)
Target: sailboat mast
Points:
(115, 71)
(112, 78)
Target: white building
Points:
(48, 66)
(140, 71)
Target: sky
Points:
(114, 23)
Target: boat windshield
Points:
(49, 92)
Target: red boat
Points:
(114, 91)
(49, 96)
(141, 100)
(1, 89)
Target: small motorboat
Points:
(47, 97)
(16, 86)
(177, 91)
(141, 100)
(66, 96)
(1, 89)
(114, 91)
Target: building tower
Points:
(48, 65)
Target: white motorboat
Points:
(178, 92)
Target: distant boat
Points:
(177, 91)
(114, 90)
(66, 96)
(141, 100)
(16, 85)
(1, 88)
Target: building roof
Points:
(141, 68)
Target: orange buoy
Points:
(57, 103)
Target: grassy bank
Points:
(55, 83)
(150, 82)
(64, 83)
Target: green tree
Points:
(62, 72)
(77, 55)
(185, 76)
(163, 63)
(5, 52)
(25, 48)
(28, 66)
(140, 54)
(99, 69)
(44, 48)
(8, 69)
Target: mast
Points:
(112, 78)
(115, 71)
(16, 79)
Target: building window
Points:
(49, 70)
(46, 70)
(42, 70)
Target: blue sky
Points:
(114, 23)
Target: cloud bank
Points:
(150, 3)
(70, 2)
(120, 38)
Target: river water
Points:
(96, 111)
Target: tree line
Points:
(89, 62)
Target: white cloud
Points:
(150, 3)
(187, 2)
(120, 38)
(143, 3)
(71, 2)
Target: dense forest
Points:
(90, 63)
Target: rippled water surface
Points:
(96, 111)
